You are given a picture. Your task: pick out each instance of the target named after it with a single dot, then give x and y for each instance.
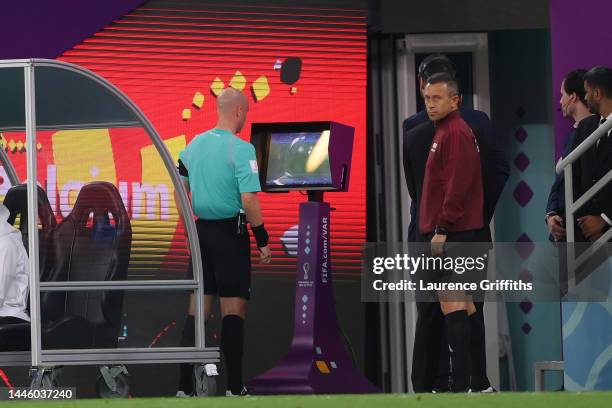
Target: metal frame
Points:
(539, 372)
(77, 127)
(376, 122)
(573, 206)
(15, 358)
(388, 184)
(476, 43)
(39, 357)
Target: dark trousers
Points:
(430, 357)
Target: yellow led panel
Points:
(217, 86)
(198, 100)
(238, 81)
(260, 88)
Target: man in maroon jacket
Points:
(451, 208)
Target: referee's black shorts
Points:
(226, 258)
(461, 244)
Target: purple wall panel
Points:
(580, 38)
(45, 29)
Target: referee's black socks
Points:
(186, 369)
(458, 332)
(232, 339)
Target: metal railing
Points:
(571, 206)
(39, 357)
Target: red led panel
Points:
(165, 52)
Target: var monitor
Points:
(303, 155)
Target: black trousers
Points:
(430, 357)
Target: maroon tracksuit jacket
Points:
(452, 189)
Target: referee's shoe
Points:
(243, 393)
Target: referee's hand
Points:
(437, 245)
(265, 255)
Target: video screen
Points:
(298, 159)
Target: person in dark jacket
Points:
(573, 105)
(595, 217)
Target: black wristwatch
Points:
(441, 230)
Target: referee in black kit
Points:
(220, 170)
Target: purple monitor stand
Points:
(317, 361)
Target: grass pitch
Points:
(499, 400)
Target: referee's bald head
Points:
(230, 99)
(232, 108)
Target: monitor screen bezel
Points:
(266, 130)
